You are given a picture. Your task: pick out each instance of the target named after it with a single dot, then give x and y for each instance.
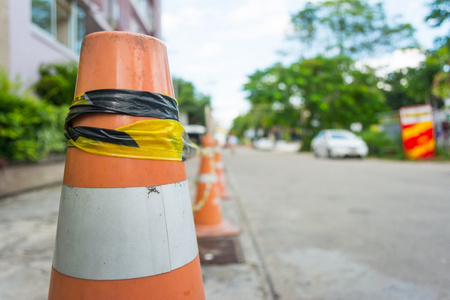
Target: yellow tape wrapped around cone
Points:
(153, 139)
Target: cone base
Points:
(183, 283)
(225, 228)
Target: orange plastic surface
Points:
(208, 219)
(183, 283)
(120, 60)
(89, 170)
(123, 60)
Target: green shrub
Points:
(382, 145)
(57, 82)
(29, 128)
(443, 153)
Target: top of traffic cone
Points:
(120, 60)
(123, 60)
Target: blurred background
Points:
(287, 87)
(273, 72)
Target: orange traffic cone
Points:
(124, 231)
(208, 219)
(220, 171)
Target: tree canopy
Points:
(190, 101)
(440, 12)
(351, 28)
(428, 83)
(331, 89)
(313, 93)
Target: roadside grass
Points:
(442, 154)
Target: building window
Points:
(142, 4)
(144, 10)
(64, 20)
(113, 13)
(41, 14)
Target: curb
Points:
(30, 189)
(259, 263)
(25, 178)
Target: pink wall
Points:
(29, 46)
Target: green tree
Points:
(314, 93)
(440, 12)
(352, 28)
(428, 83)
(190, 101)
(241, 123)
(398, 91)
(274, 100)
(441, 81)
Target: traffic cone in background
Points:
(220, 171)
(123, 228)
(208, 219)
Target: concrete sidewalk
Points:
(23, 186)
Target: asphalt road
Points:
(347, 228)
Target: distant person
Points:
(232, 142)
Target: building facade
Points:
(42, 31)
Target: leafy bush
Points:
(382, 145)
(443, 153)
(29, 129)
(57, 82)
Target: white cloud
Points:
(273, 26)
(224, 118)
(255, 10)
(228, 107)
(209, 49)
(395, 61)
(186, 19)
(257, 19)
(192, 15)
(169, 22)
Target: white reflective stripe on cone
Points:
(219, 165)
(207, 151)
(122, 233)
(208, 178)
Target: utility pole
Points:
(209, 121)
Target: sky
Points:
(217, 44)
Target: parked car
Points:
(263, 144)
(283, 146)
(338, 143)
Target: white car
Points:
(264, 144)
(283, 146)
(338, 143)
